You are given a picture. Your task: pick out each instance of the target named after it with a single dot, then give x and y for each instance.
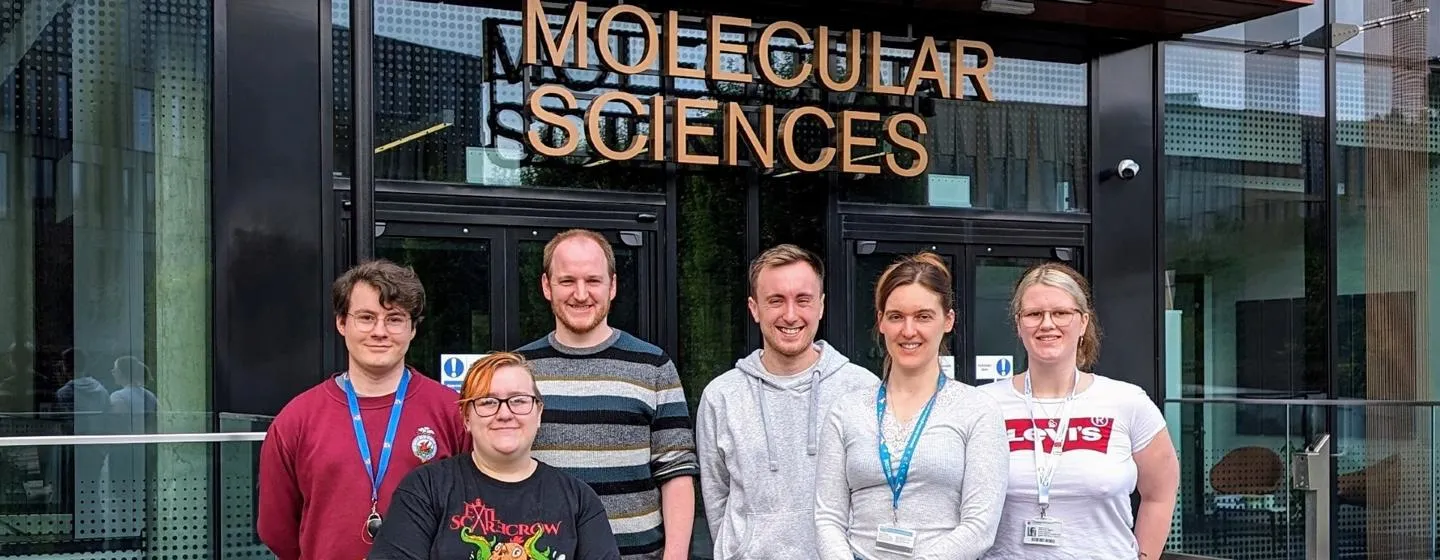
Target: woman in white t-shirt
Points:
(1114, 441)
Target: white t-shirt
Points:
(1090, 493)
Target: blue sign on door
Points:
(454, 372)
(1004, 367)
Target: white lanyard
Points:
(1046, 464)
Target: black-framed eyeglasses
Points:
(519, 405)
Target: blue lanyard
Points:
(896, 479)
(364, 443)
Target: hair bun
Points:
(931, 259)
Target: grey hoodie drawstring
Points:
(757, 387)
(812, 426)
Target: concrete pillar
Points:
(182, 271)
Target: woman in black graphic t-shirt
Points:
(497, 503)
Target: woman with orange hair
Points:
(498, 501)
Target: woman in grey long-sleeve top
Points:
(949, 499)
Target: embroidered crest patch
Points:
(423, 446)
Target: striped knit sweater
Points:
(616, 417)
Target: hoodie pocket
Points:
(784, 535)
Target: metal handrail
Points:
(1302, 402)
(130, 439)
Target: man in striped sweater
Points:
(615, 413)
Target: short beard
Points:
(559, 309)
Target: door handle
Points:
(865, 247)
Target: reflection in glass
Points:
(104, 271)
(1244, 246)
(1285, 30)
(714, 282)
(1026, 151)
(451, 107)
(1386, 171)
(456, 275)
(713, 279)
(440, 117)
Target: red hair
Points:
(482, 373)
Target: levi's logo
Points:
(1083, 433)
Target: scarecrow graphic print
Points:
(495, 539)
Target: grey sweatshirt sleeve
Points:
(987, 477)
(832, 491)
(714, 477)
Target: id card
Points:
(1042, 531)
(896, 540)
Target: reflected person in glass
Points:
(916, 468)
(498, 501)
(1093, 438)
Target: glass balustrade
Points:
(130, 494)
(1241, 495)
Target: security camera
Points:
(1127, 169)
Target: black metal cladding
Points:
(271, 305)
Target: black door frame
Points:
(429, 209)
(1074, 256)
(648, 262)
(939, 226)
(961, 233)
(499, 256)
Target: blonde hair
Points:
(924, 268)
(1066, 279)
(782, 255)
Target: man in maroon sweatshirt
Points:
(336, 452)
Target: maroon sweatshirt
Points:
(314, 493)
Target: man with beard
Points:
(758, 424)
(615, 413)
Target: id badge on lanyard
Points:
(1046, 530)
(376, 473)
(892, 537)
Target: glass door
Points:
(458, 266)
(983, 348)
(632, 310)
(868, 260)
(483, 293)
(995, 351)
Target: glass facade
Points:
(450, 107)
(105, 115)
(1329, 185)
(1301, 186)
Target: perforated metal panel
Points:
(105, 129)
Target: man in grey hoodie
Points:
(758, 425)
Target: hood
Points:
(831, 361)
